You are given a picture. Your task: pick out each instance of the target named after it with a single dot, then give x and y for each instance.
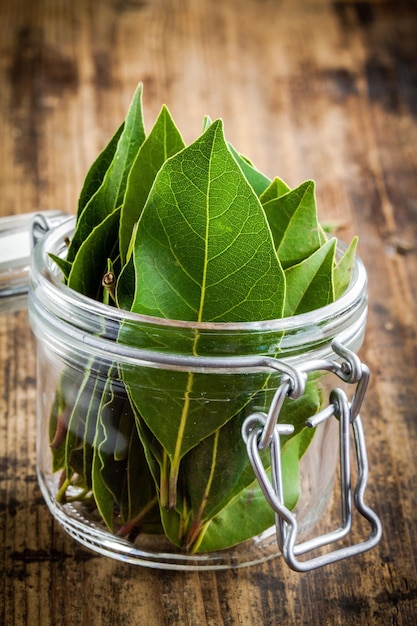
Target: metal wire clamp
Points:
(261, 430)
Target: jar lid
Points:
(18, 235)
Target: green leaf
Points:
(203, 250)
(182, 408)
(342, 272)
(60, 416)
(294, 224)
(81, 427)
(125, 288)
(63, 265)
(310, 283)
(93, 254)
(294, 412)
(137, 498)
(210, 472)
(163, 141)
(275, 190)
(156, 456)
(124, 470)
(249, 514)
(217, 470)
(253, 513)
(110, 194)
(258, 181)
(102, 462)
(98, 170)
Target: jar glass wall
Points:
(181, 494)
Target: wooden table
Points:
(307, 89)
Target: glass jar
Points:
(105, 374)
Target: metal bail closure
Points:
(253, 433)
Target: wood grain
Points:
(307, 89)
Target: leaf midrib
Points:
(206, 242)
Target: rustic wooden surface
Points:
(313, 88)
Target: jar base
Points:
(156, 551)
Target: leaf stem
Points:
(127, 528)
(199, 538)
(60, 496)
(175, 461)
(196, 524)
(86, 494)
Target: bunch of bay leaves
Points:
(193, 233)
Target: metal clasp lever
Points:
(253, 432)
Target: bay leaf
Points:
(275, 190)
(87, 400)
(137, 489)
(102, 461)
(217, 470)
(163, 141)
(109, 196)
(210, 472)
(182, 408)
(203, 251)
(293, 220)
(64, 265)
(60, 415)
(249, 514)
(258, 181)
(97, 171)
(113, 468)
(94, 252)
(310, 283)
(125, 286)
(344, 268)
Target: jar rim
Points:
(45, 270)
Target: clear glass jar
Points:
(102, 371)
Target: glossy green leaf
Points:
(121, 475)
(232, 273)
(258, 181)
(60, 416)
(217, 470)
(109, 196)
(343, 270)
(249, 514)
(97, 171)
(64, 265)
(103, 462)
(275, 190)
(163, 141)
(93, 253)
(310, 283)
(182, 408)
(81, 427)
(137, 498)
(203, 251)
(125, 288)
(209, 474)
(294, 223)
